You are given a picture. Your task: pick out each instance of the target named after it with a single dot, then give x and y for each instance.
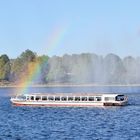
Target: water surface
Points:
(42, 123)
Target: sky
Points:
(58, 27)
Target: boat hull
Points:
(65, 104)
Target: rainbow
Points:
(56, 38)
(33, 71)
(34, 68)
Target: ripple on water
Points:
(25, 123)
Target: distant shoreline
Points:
(70, 85)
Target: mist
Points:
(85, 68)
(89, 68)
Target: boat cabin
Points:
(71, 98)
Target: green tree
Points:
(4, 67)
(20, 65)
(28, 56)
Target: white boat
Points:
(70, 100)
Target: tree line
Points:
(74, 69)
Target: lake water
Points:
(42, 123)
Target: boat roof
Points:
(72, 94)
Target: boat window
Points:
(57, 98)
(91, 98)
(70, 98)
(27, 98)
(21, 97)
(77, 98)
(120, 98)
(109, 98)
(64, 98)
(44, 98)
(51, 98)
(32, 98)
(84, 98)
(98, 98)
(38, 98)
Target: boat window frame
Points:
(44, 97)
(70, 98)
(84, 98)
(120, 98)
(109, 98)
(32, 98)
(98, 98)
(37, 98)
(50, 98)
(64, 98)
(27, 98)
(21, 97)
(57, 98)
(91, 98)
(77, 98)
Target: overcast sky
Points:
(56, 27)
